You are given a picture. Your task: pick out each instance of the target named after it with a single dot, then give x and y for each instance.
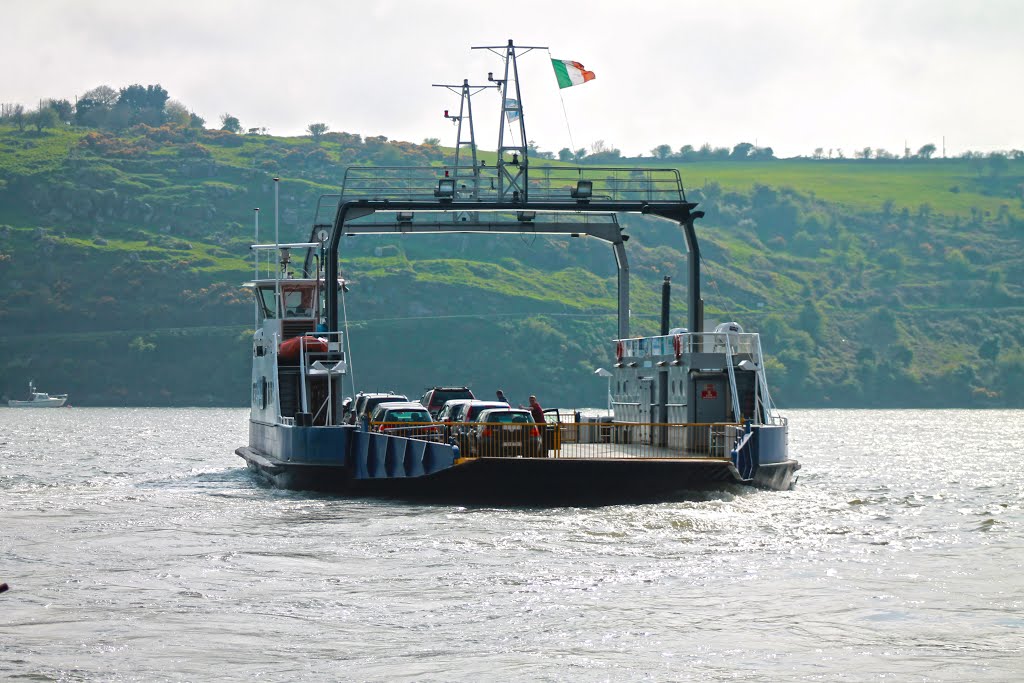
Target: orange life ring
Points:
(677, 344)
(618, 351)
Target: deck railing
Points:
(689, 342)
(422, 431)
(588, 440)
(582, 440)
(546, 183)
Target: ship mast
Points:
(461, 170)
(513, 166)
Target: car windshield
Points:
(507, 417)
(451, 409)
(406, 415)
(372, 403)
(441, 395)
(473, 410)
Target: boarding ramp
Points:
(384, 456)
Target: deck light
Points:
(445, 188)
(525, 216)
(584, 190)
(404, 217)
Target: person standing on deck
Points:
(536, 411)
(501, 397)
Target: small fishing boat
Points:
(39, 399)
(691, 408)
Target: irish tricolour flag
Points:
(570, 73)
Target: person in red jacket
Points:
(536, 411)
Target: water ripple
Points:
(138, 547)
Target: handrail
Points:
(547, 183)
(691, 342)
(770, 410)
(732, 379)
(597, 440)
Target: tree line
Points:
(105, 108)
(602, 153)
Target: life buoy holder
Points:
(618, 350)
(677, 344)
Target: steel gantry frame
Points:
(507, 218)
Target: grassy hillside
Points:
(873, 282)
(949, 186)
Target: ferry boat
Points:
(39, 399)
(691, 409)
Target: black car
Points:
(436, 397)
(505, 432)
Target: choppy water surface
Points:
(138, 548)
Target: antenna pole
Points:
(466, 92)
(277, 240)
(466, 105)
(513, 162)
(256, 276)
(277, 227)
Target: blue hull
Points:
(352, 462)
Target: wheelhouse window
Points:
(298, 301)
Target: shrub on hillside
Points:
(194, 150)
(103, 144)
(223, 138)
(167, 133)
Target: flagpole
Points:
(566, 115)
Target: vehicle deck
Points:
(605, 451)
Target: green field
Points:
(950, 187)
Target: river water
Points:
(137, 547)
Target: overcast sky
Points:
(793, 75)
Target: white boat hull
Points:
(51, 402)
